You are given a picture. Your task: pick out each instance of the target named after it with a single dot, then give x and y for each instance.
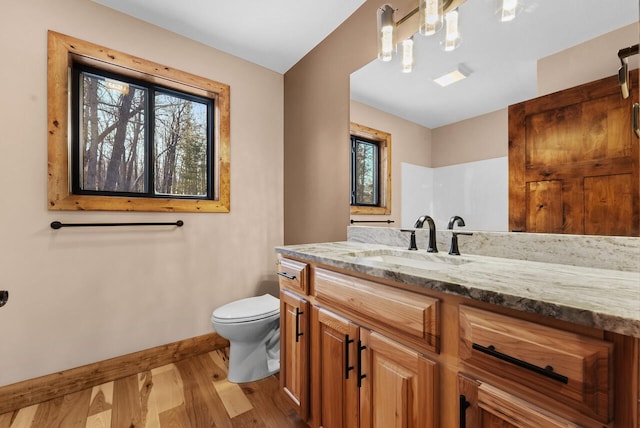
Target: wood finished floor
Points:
(192, 393)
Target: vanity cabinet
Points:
(368, 380)
(362, 351)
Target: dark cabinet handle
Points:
(347, 367)
(360, 374)
(464, 405)
(544, 371)
(286, 275)
(298, 332)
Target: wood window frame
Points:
(384, 141)
(63, 51)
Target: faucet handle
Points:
(412, 239)
(454, 250)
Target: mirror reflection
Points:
(451, 143)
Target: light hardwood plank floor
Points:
(192, 393)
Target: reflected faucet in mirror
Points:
(432, 248)
(457, 220)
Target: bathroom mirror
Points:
(502, 62)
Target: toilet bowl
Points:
(252, 326)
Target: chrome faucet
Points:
(454, 250)
(433, 248)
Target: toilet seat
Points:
(246, 310)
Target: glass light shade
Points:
(386, 33)
(508, 10)
(407, 55)
(452, 36)
(430, 16)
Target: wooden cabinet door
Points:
(484, 406)
(574, 162)
(399, 386)
(294, 350)
(334, 346)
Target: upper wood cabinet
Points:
(574, 162)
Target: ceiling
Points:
(502, 57)
(274, 34)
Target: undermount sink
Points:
(405, 258)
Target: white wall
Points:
(79, 296)
(476, 191)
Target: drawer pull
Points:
(544, 371)
(464, 405)
(298, 332)
(347, 367)
(286, 275)
(360, 375)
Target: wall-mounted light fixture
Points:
(386, 33)
(433, 15)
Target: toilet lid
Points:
(249, 309)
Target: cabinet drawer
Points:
(293, 275)
(571, 368)
(412, 315)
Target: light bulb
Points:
(430, 16)
(407, 55)
(452, 34)
(386, 36)
(508, 10)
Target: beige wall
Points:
(479, 138)
(78, 296)
(410, 143)
(316, 129)
(586, 62)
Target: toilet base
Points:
(248, 362)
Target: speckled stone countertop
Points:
(600, 298)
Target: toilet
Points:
(252, 326)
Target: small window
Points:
(127, 134)
(365, 174)
(370, 171)
(133, 138)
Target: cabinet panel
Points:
(294, 350)
(568, 367)
(397, 311)
(336, 351)
(399, 385)
(293, 275)
(485, 406)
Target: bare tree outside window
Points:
(128, 144)
(365, 176)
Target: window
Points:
(370, 171)
(140, 136)
(365, 177)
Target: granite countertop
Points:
(599, 298)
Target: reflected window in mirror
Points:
(370, 170)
